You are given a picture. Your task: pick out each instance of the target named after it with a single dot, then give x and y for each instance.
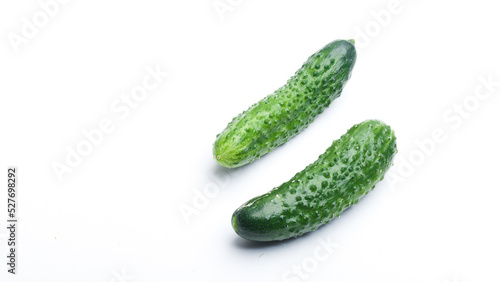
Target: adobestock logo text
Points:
(31, 26)
(121, 108)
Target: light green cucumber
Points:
(283, 114)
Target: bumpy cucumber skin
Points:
(347, 171)
(280, 116)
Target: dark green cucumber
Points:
(347, 171)
(280, 116)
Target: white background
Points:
(116, 216)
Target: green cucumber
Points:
(347, 171)
(280, 116)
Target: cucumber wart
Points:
(347, 171)
(280, 116)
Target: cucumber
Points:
(280, 116)
(347, 171)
